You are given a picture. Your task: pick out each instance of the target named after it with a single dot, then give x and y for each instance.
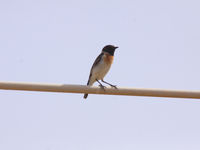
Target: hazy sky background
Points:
(57, 41)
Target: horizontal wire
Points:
(68, 88)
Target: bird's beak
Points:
(116, 47)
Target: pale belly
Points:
(100, 71)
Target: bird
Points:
(101, 66)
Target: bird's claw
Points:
(114, 86)
(102, 87)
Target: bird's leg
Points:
(101, 85)
(109, 84)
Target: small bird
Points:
(101, 66)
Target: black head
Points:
(109, 49)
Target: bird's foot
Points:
(114, 86)
(102, 87)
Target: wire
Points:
(67, 88)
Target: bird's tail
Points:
(85, 96)
(88, 83)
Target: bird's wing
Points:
(98, 59)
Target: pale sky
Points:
(49, 41)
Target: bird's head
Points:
(110, 49)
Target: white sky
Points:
(57, 41)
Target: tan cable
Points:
(67, 88)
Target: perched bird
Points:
(101, 66)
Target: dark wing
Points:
(98, 59)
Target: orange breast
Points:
(108, 58)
